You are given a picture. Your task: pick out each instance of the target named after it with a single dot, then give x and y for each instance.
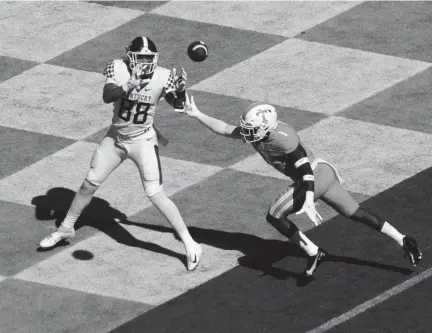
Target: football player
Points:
(135, 86)
(314, 178)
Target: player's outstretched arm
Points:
(216, 125)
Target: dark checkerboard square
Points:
(383, 318)
(172, 37)
(20, 233)
(231, 205)
(23, 227)
(228, 206)
(10, 67)
(192, 141)
(22, 148)
(398, 28)
(33, 307)
(266, 293)
(405, 105)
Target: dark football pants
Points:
(327, 189)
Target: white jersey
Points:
(134, 113)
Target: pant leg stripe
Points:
(285, 207)
(280, 201)
(156, 148)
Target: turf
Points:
(404, 105)
(111, 272)
(21, 305)
(260, 297)
(398, 28)
(144, 6)
(233, 48)
(9, 67)
(385, 317)
(24, 148)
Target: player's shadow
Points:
(261, 254)
(98, 214)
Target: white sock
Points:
(391, 231)
(70, 220)
(305, 243)
(81, 200)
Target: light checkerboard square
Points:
(256, 164)
(41, 30)
(54, 100)
(311, 76)
(370, 158)
(131, 272)
(123, 189)
(285, 18)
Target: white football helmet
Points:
(142, 51)
(257, 120)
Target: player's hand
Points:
(190, 108)
(180, 81)
(134, 80)
(310, 210)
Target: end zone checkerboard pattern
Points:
(352, 77)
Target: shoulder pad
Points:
(161, 70)
(168, 78)
(285, 137)
(117, 70)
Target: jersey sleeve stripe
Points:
(308, 178)
(170, 86)
(300, 162)
(109, 70)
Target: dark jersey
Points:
(279, 143)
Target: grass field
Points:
(353, 78)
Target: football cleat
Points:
(58, 235)
(194, 258)
(411, 249)
(314, 261)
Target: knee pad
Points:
(92, 178)
(152, 187)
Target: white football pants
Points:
(142, 150)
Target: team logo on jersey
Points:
(138, 97)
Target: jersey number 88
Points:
(125, 111)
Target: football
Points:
(198, 51)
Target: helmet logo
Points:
(263, 113)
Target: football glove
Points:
(135, 79)
(180, 81)
(310, 210)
